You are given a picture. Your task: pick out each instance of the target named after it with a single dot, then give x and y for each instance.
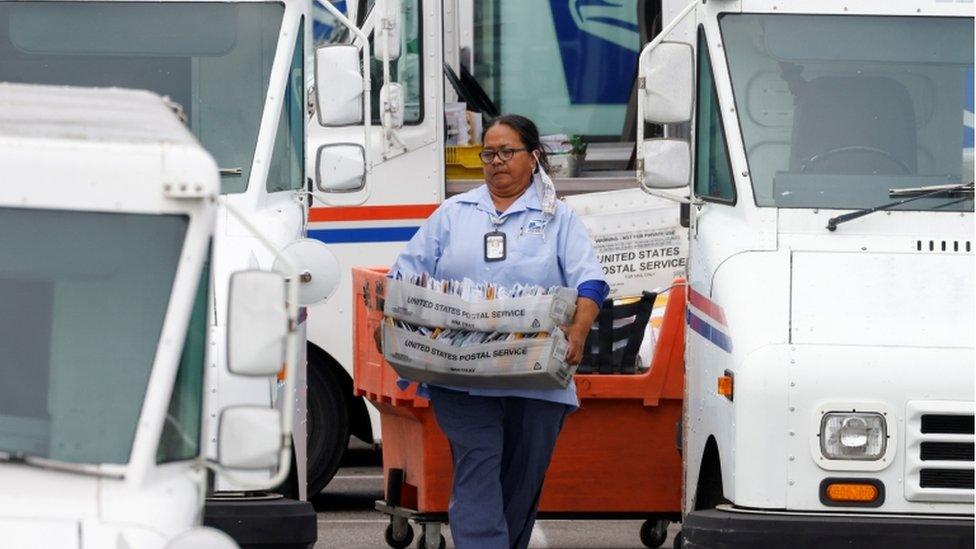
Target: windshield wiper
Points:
(914, 193)
(966, 188)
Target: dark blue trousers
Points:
(501, 447)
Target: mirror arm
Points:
(291, 345)
(384, 29)
(694, 201)
(642, 83)
(324, 198)
(368, 26)
(367, 116)
(248, 484)
(392, 139)
(386, 120)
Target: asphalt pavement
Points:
(347, 519)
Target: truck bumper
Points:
(725, 529)
(278, 523)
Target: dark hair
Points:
(526, 130)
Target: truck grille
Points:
(947, 451)
(940, 442)
(947, 478)
(947, 424)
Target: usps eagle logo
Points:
(599, 41)
(612, 20)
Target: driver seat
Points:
(846, 124)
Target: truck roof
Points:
(93, 115)
(92, 146)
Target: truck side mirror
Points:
(257, 323)
(338, 85)
(340, 168)
(667, 163)
(386, 37)
(392, 104)
(667, 71)
(249, 438)
(317, 267)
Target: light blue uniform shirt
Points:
(548, 252)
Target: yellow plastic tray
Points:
(462, 162)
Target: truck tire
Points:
(328, 424)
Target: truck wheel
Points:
(679, 541)
(328, 425)
(395, 542)
(653, 533)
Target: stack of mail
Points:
(483, 307)
(467, 334)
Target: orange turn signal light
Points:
(725, 386)
(843, 492)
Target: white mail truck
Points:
(107, 216)
(238, 72)
(830, 326)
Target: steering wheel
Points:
(855, 148)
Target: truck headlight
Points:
(853, 435)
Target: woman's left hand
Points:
(576, 332)
(576, 337)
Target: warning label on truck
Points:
(638, 238)
(637, 260)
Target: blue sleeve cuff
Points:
(595, 290)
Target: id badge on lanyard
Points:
(495, 249)
(495, 246)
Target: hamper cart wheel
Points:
(431, 531)
(422, 542)
(405, 538)
(653, 533)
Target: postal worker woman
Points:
(509, 230)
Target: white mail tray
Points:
(528, 363)
(419, 305)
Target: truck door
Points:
(404, 163)
(366, 220)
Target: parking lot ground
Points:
(347, 519)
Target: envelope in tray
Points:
(527, 363)
(419, 305)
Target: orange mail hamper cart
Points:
(616, 457)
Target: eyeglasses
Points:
(488, 155)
